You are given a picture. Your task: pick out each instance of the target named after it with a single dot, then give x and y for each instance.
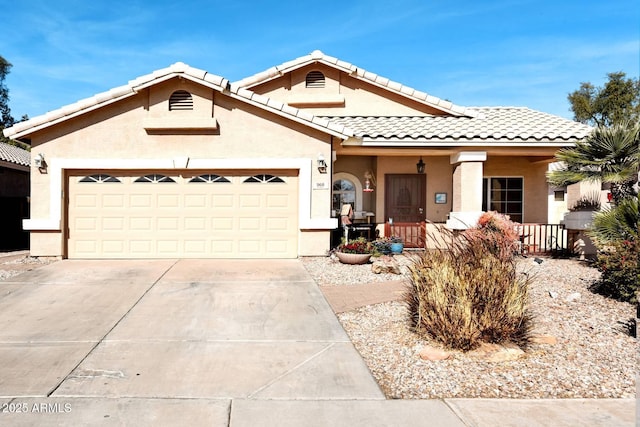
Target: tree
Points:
(609, 155)
(6, 120)
(617, 101)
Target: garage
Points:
(176, 214)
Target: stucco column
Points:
(467, 189)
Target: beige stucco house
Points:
(184, 163)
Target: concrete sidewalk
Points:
(212, 342)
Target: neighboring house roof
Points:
(213, 81)
(318, 57)
(13, 154)
(492, 125)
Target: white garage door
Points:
(168, 214)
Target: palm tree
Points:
(617, 223)
(609, 155)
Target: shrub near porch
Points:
(470, 292)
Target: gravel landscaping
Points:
(586, 350)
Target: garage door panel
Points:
(155, 219)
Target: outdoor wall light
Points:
(322, 165)
(39, 161)
(420, 166)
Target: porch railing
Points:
(536, 239)
(546, 239)
(413, 234)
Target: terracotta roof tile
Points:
(12, 154)
(491, 125)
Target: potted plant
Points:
(355, 251)
(580, 215)
(397, 244)
(382, 246)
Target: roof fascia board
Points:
(14, 166)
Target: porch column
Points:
(467, 189)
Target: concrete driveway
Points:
(167, 334)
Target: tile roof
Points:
(319, 57)
(218, 83)
(12, 154)
(501, 125)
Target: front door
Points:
(405, 197)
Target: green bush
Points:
(470, 292)
(618, 262)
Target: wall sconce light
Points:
(322, 165)
(420, 166)
(39, 161)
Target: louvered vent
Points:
(180, 100)
(315, 79)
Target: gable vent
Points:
(180, 100)
(315, 79)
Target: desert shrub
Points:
(498, 234)
(618, 262)
(470, 292)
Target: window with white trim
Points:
(99, 178)
(154, 178)
(263, 179)
(209, 178)
(504, 195)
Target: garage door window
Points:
(210, 179)
(263, 178)
(154, 178)
(99, 178)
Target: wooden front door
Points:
(405, 197)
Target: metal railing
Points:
(545, 239)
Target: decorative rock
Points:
(573, 297)
(553, 295)
(385, 264)
(544, 339)
(433, 353)
(497, 353)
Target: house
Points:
(14, 196)
(184, 163)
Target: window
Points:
(99, 178)
(263, 178)
(154, 178)
(504, 195)
(344, 191)
(209, 179)
(180, 100)
(558, 196)
(315, 79)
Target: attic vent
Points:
(180, 100)
(315, 79)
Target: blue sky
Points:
(474, 53)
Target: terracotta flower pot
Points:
(353, 258)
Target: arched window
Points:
(315, 79)
(263, 179)
(344, 191)
(99, 178)
(180, 100)
(154, 178)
